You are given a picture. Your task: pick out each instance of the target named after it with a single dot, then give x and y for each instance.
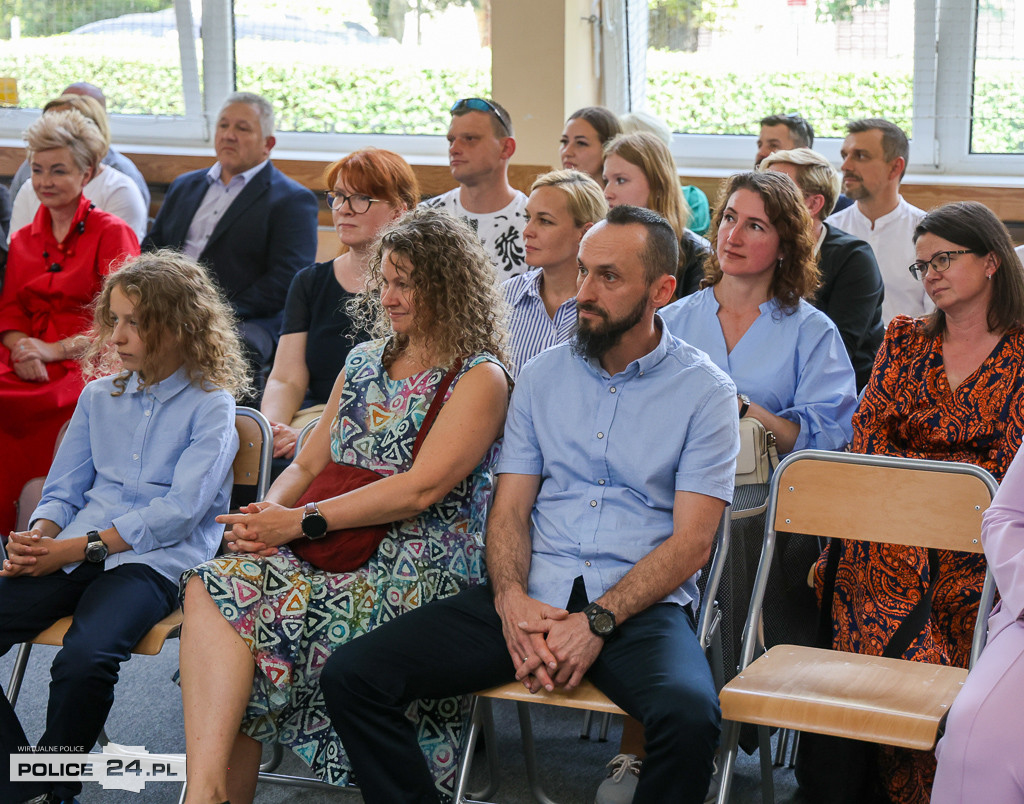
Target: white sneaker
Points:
(620, 785)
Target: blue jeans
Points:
(112, 610)
(654, 669)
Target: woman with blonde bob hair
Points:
(366, 190)
(108, 188)
(250, 663)
(639, 170)
(563, 204)
(55, 268)
(132, 498)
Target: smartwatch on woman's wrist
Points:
(314, 525)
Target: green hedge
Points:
(414, 100)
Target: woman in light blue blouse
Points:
(752, 319)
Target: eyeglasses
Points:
(940, 262)
(481, 105)
(806, 132)
(356, 202)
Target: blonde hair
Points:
(652, 156)
(458, 307)
(814, 175)
(67, 129)
(174, 297)
(88, 106)
(584, 197)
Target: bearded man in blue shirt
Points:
(618, 460)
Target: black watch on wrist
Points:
(602, 621)
(96, 551)
(314, 525)
(744, 404)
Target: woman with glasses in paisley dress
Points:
(950, 387)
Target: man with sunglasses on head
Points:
(480, 144)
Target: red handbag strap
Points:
(435, 406)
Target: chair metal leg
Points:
(276, 755)
(780, 748)
(730, 739)
(606, 720)
(466, 763)
(526, 730)
(588, 716)
(18, 672)
(792, 753)
(764, 752)
(481, 721)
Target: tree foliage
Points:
(44, 17)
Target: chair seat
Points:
(149, 645)
(585, 696)
(871, 698)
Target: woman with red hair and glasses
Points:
(368, 189)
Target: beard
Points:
(593, 340)
(856, 191)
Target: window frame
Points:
(944, 41)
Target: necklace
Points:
(77, 230)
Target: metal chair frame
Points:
(586, 696)
(787, 511)
(252, 470)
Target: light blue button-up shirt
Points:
(219, 196)
(530, 329)
(611, 452)
(794, 366)
(154, 463)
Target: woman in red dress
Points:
(55, 268)
(950, 387)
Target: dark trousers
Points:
(654, 670)
(112, 611)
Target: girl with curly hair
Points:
(259, 623)
(133, 494)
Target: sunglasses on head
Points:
(481, 105)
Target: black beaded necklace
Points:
(78, 230)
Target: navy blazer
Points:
(265, 236)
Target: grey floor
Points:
(147, 712)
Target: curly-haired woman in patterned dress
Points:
(949, 386)
(260, 623)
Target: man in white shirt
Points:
(875, 155)
(480, 144)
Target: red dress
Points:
(47, 292)
(909, 410)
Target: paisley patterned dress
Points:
(292, 615)
(909, 410)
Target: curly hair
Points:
(796, 276)
(173, 297)
(458, 307)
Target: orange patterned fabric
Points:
(909, 410)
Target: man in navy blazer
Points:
(251, 225)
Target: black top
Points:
(316, 305)
(692, 250)
(851, 295)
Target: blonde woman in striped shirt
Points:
(563, 204)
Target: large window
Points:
(997, 119)
(719, 66)
(949, 72)
(329, 66)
